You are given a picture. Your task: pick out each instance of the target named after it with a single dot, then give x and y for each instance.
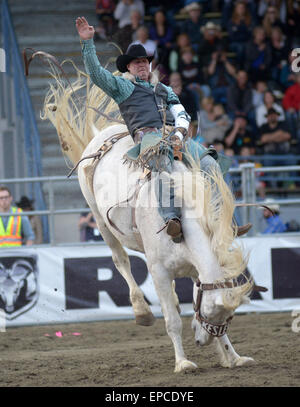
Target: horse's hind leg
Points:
(141, 309)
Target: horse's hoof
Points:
(245, 361)
(185, 365)
(145, 319)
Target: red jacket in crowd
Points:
(291, 97)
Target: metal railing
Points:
(18, 112)
(249, 176)
(247, 173)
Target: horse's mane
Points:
(73, 107)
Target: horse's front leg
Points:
(228, 356)
(165, 292)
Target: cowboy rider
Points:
(137, 96)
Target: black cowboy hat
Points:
(25, 202)
(271, 111)
(133, 52)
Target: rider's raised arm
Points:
(114, 86)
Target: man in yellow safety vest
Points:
(13, 228)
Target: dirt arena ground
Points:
(120, 353)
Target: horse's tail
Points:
(73, 107)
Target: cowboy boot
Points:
(174, 230)
(242, 230)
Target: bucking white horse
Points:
(209, 253)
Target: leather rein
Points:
(216, 330)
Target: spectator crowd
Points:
(230, 62)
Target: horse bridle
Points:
(215, 330)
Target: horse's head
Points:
(214, 306)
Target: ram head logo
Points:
(18, 285)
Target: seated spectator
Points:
(274, 222)
(192, 75)
(293, 23)
(88, 228)
(142, 35)
(291, 105)
(123, 11)
(268, 102)
(191, 26)
(272, 19)
(287, 75)
(214, 122)
(221, 74)
(26, 204)
(274, 136)
(239, 136)
(280, 5)
(126, 35)
(162, 33)
(185, 96)
(182, 41)
(104, 11)
(279, 51)
(239, 30)
(239, 96)
(212, 41)
(258, 56)
(258, 92)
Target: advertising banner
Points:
(80, 283)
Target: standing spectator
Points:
(279, 52)
(239, 30)
(162, 33)
(239, 137)
(88, 228)
(258, 56)
(182, 41)
(126, 35)
(271, 19)
(185, 96)
(274, 222)
(291, 105)
(287, 75)
(274, 136)
(239, 96)
(104, 11)
(192, 24)
(258, 92)
(211, 42)
(13, 228)
(262, 110)
(123, 11)
(221, 74)
(192, 75)
(26, 204)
